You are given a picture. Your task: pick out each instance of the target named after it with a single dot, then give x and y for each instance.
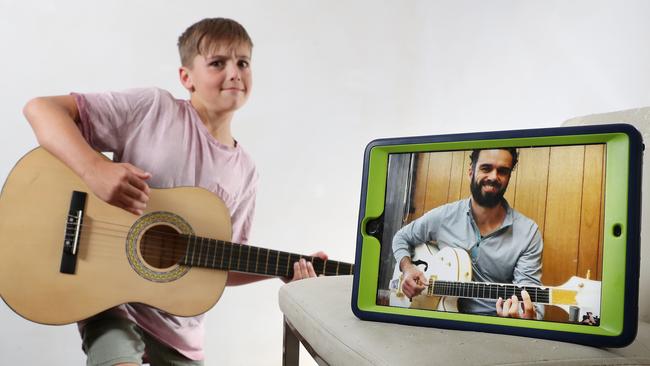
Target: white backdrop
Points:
(329, 76)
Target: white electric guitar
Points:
(450, 277)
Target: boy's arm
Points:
(53, 120)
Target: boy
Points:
(161, 142)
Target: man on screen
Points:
(504, 245)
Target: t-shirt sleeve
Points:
(108, 119)
(420, 231)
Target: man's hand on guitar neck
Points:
(510, 307)
(413, 280)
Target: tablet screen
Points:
(481, 226)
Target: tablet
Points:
(524, 232)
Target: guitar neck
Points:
(491, 291)
(224, 255)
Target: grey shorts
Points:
(109, 341)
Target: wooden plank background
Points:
(560, 188)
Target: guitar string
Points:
(193, 240)
(202, 247)
(452, 288)
(240, 253)
(166, 235)
(494, 294)
(152, 230)
(279, 268)
(205, 248)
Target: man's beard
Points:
(486, 199)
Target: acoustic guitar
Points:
(449, 273)
(67, 255)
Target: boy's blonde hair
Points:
(203, 37)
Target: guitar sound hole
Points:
(161, 246)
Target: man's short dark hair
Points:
(513, 152)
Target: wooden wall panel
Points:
(437, 180)
(464, 186)
(419, 186)
(531, 184)
(457, 176)
(563, 207)
(601, 227)
(511, 192)
(590, 215)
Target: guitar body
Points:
(578, 297)
(448, 264)
(110, 267)
(587, 294)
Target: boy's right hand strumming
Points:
(53, 120)
(120, 184)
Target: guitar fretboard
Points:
(224, 255)
(479, 290)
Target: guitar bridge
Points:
(73, 226)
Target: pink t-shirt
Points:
(162, 135)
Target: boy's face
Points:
(220, 81)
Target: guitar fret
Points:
(283, 256)
(193, 251)
(187, 249)
(232, 249)
(207, 254)
(238, 257)
(278, 264)
(332, 268)
(241, 257)
(277, 261)
(223, 248)
(266, 266)
(204, 249)
(248, 258)
(198, 262)
(214, 257)
(240, 261)
(198, 247)
(488, 291)
(227, 254)
(253, 258)
(273, 260)
(289, 271)
(317, 263)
